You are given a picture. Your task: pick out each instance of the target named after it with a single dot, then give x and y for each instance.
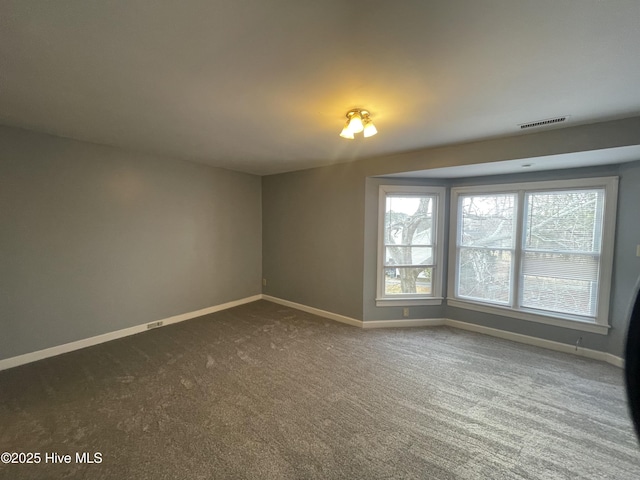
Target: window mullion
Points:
(516, 299)
(458, 243)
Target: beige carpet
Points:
(266, 392)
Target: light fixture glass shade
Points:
(355, 123)
(369, 128)
(346, 133)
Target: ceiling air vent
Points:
(541, 123)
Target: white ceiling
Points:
(262, 86)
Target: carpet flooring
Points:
(263, 391)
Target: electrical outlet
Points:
(405, 312)
(154, 324)
(264, 282)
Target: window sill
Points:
(532, 317)
(408, 302)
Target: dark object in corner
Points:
(632, 364)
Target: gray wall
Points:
(318, 251)
(626, 265)
(313, 226)
(94, 239)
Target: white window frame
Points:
(437, 276)
(601, 323)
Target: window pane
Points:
(559, 222)
(409, 220)
(564, 221)
(487, 220)
(407, 280)
(409, 256)
(559, 295)
(561, 266)
(485, 274)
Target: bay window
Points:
(537, 251)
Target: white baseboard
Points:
(125, 332)
(434, 322)
(422, 322)
(314, 311)
(538, 342)
(613, 360)
(354, 322)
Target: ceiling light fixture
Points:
(358, 121)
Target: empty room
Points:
(319, 240)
